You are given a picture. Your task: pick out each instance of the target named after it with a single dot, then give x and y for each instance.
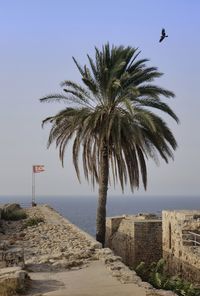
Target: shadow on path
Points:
(44, 286)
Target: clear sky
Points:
(37, 41)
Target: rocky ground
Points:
(50, 245)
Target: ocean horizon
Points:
(81, 210)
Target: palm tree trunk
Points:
(103, 188)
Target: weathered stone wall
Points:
(120, 238)
(148, 238)
(181, 256)
(135, 238)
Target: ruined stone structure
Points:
(135, 238)
(57, 245)
(181, 243)
(145, 238)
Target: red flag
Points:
(38, 168)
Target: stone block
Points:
(12, 281)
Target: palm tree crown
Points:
(111, 121)
(113, 110)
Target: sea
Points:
(81, 210)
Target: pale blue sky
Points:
(37, 41)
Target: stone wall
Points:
(135, 238)
(148, 235)
(181, 254)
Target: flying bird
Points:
(163, 35)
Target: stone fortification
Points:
(135, 238)
(143, 238)
(181, 252)
(55, 245)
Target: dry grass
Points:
(11, 286)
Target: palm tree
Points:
(111, 121)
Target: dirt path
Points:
(92, 280)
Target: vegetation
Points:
(110, 120)
(33, 222)
(155, 275)
(14, 215)
(7, 289)
(13, 286)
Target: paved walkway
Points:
(94, 280)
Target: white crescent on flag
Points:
(38, 168)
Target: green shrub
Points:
(142, 271)
(154, 274)
(33, 222)
(14, 215)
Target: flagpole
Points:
(33, 187)
(35, 169)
